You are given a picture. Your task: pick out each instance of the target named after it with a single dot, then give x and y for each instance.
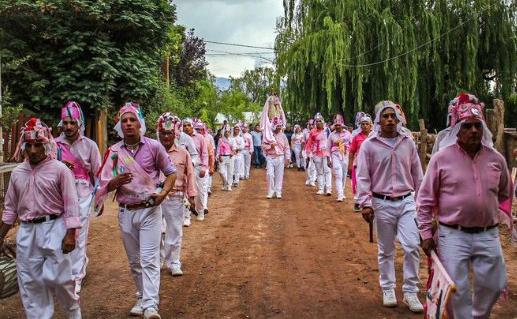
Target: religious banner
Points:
(440, 288)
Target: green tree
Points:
(258, 83)
(346, 55)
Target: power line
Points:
(238, 45)
(229, 52)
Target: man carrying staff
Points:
(317, 150)
(388, 171)
(173, 207)
(43, 197)
(132, 167)
(200, 170)
(365, 125)
(464, 184)
(81, 155)
(339, 143)
(278, 155)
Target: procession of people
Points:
(161, 182)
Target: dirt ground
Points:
(300, 257)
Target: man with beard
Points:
(132, 167)
(43, 197)
(81, 155)
(388, 172)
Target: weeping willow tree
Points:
(346, 55)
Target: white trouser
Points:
(324, 173)
(201, 200)
(300, 161)
(173, 211)
(43, 270)
(209, 183)
(141, 235)
(459, 250)
(79, 258)
(237, 162)
(246, 161)
(226, 170)
(396, 219)
(275, 174)
(340, 169)
(310, 171)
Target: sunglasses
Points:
(468, 126)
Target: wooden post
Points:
(499, 125)
(101, 131)
(423, 144)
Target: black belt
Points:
(224, 155)
(470, 230)
(39, 220)
(386, 197)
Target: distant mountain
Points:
(222, 84)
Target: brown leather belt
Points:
(135, 206)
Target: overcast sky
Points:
(250, 22)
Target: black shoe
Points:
(193, 210)
(206, 211)
(357, 208)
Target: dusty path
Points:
(300, 257)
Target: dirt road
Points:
(300, 257)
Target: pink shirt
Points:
(339, 143)
(224, 148)
(387, 170)
(87, 154)
(248, 142)
(463, 191)
(317, 143)
(45, 189)
(184, 171)
(281, 149)
(202, 149)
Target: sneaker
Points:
(137, 309)
(414, 305)
(270, 195)
(229, 188)
(176, 271)
(340, 199)
(186, 223)
(357, 208)
(200, 216)
(307, 183)
(279, 195)
(320, 192)
(388, 298)
(329, 193)
(312, 184)
(151, 313)
(78, 287)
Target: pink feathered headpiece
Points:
(277, 122)
(198, 124)
(466, 106)
(73, 110)
(168, 122)
(130, 107)
(35, 131)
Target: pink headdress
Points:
(130, 107)
(73, 110)
(198, 124)
(168, 122)
(277, 121)
(383, 105)
(358, 117)
(466, 106)
(35, 131)
(339, 120)
(318, 116)
(310, 122)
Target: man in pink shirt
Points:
(365, 128)
(174, 207)
(247, 152)
(200, 170)
(210, 144)
(310, 170)
(81, 155)
(225, 157)
(132, 168)
(317, 149)
(339, 143)
(388, 172)
(278, 155)
(43, 197)
(464, 184)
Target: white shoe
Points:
(340, 199)
(270, 195)
(151, 313)
(307, 183)
(229, 188)
(411, 300)
(388, 298)
(176, 271)
(137, 309)
(78, 287)
(320, 192)
(279, 195)
(200, 216)
(186, 223)
(313, 184)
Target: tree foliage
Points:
(345, 55)
(258, 83)
(98, 52)
(191, 64)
